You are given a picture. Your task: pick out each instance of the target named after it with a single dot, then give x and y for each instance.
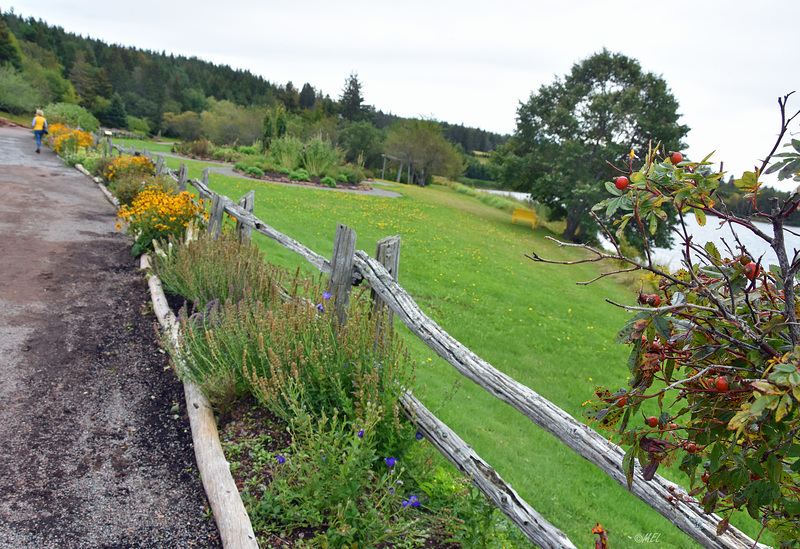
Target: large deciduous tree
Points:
(421, 145)
(569, 132)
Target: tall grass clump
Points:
(320, 156)
(287, 152)
(207, 269)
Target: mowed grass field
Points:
(464, 264)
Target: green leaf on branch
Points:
(613, 205)
(663, 326)
(700, 216)
(748, 183)
(612, 188)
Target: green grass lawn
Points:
(463, 262)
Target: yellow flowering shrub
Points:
(65, 141)
(158, 213)
(127, 164)
(57, 129)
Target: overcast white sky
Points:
(472, 62)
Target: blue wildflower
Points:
(361, 433)
(327, 295)
(320, 307)
(390, 461)
(281, 460)
(412, 501)
(420, 436)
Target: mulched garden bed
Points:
(277, 177)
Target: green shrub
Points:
(84, 156)
(128, 185)
(222, 268)
(73, 116)
(285, 171)
(350, 174)
(320, 155)
(101, 165)
(252, 170)
(226, 154)
(287, 152)
(250, 151)
(201, 148)
(300, 175)
(328, 181)
(139, 126)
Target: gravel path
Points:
(92, 454)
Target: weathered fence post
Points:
(248, 202)
(183, 177)
(344, 249)
(161, 164)
(204, 177)
(109, 146)
(388, 254)
(215, 218)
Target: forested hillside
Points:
(153, 93)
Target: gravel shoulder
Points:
(92, 454)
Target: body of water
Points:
(710, 232)
(720, 235)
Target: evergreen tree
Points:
(267, 131)
(9, 48)
(307, 96)
(115, 116)
(352, 102)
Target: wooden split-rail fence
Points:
(348, 266)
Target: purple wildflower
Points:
(420, 436)
(320, 307)
(281, 460)
(361, 433)
(390, 461)
(327, 295)
(412, 501)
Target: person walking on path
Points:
(39, 126)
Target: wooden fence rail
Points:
(659, 493)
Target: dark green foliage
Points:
(115, 116)
(363, 142)
(144, 79)
(267, 131)
(280, 122)
(9, 48)
(352, 102)
(300, 175)
(308, 96)
(328, 181)
(473, 139)
(737, 203)
(568, 131)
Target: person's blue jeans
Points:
(38, 134)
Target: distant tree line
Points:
(182, 97)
